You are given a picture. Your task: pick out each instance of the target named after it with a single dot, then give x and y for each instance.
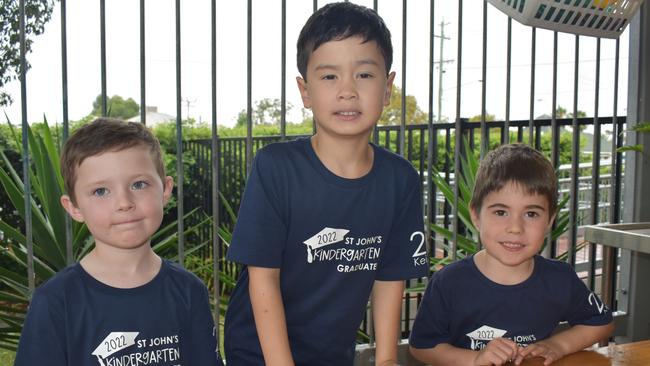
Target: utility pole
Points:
(188, 103)
(440, 69)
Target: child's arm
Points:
(387, 306)
(564, 343)
(268, 310)
(498, 352)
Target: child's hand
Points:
(549, 351)
(497, 352)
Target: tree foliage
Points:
(561, 112)
(393, 112)
(117, 107)
(488, 118)
(37, 13)
(266, 111)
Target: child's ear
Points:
(70, 207)
(474, 215)
(168, 185)
(550, 223)
(389, 88)
(304, 94)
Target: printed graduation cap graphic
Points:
(114, 342)
(325, 237)
(485, 333)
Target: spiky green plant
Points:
(639, 128)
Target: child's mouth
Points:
(511, 245)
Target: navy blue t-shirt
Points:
(464, 308)
(332, 238)
(75, 320)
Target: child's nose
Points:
(515, 225)
(125, 201)
(348, 89)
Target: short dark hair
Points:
(338, 21)
(102, 135)
(518, 163)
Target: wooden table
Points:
(629, 354)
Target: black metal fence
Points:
(229, 159)
(598, 174)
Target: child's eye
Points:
(365, 75)
(500, 212)
(328, 77)
(139, 185)
(532, 214)
(100, 192)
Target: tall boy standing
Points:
(327, 220)
(121, 304)
(504, 302)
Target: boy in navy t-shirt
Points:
(504, 302)
(121, 304)
(328, 220)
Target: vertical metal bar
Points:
(215, 157)
(283, 73)
(69, 256)
(313, 124)
(429, 181)
(249, 86)
(402, 128)
(595, 172)
(179, 141)
(26, 165)
(375, 130)
(459, 133)
(64, 69)
(554, 133)
(531, 117)
(446, 167)
(575, 152)
(615, 187)
(610, 254)
(143, 94)
(506, 127)
(555, 154)
(485, 137)
(102, 31)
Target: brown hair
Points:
(102, 135)
(520, 164)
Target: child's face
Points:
(346, 87)
(120, 197)
(512, 225)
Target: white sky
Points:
(123, 59)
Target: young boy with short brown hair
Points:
(504, 302)
(121, 304)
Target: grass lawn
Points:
(6, 357)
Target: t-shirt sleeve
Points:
(260, 232)
(203, 348)
(405, 252)
(431, 325)
(42, 338)
(586, 308)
